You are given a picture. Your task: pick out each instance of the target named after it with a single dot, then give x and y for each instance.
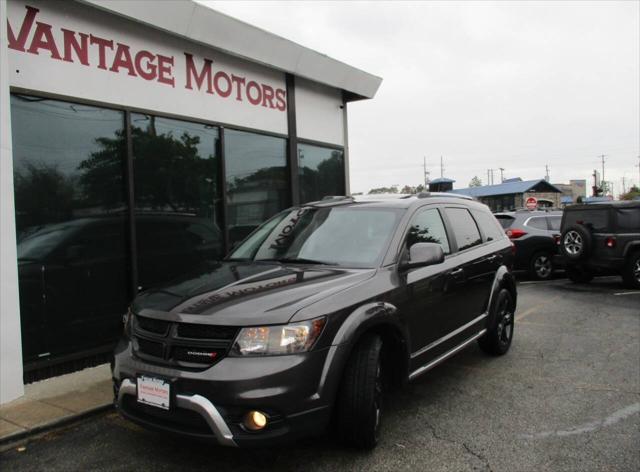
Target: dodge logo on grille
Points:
(212, 355)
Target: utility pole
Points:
(501, 174)
(602, 156)
(490, 176)
(594, 189)
(624, 187)
(426, 174)
(546, 175)
(441, 167)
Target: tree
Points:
(475, 182)
(392, 189)
(632, 194)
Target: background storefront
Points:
(140, 153)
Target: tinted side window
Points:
(538, 222)
(554, 222)
(490, 227)
(629, 219)
(596, 220)
(427, 227)
(464, 228)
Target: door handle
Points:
(457, 274)
(493, 258)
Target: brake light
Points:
(610, 241)
(515, 233)
(557, 238)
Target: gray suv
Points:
(602, 238)
(313, 317)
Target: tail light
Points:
(556, 238)
(515, 233)
(513, 249)
(610, 241)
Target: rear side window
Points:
(596, 220)
(489, 225)
(505, 220)
(537, 222)
(464, 228)
(629, 219)
(554, 222)
(427, 227)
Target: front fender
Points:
(366, 317)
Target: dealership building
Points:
(139, 141)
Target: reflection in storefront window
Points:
(177, 197)
(257, 184)
(70, 222)
(321, 172)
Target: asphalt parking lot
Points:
(566, 397)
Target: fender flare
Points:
(502, 279)
(632, 246)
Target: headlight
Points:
(276, 340)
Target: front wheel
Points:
(497, 340)
(359, 408)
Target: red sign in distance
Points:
(531, 203)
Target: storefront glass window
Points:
(177, 197)
(321, 172)
(71, 226)
(257, 183)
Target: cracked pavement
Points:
(566, 397)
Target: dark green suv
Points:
(602, 238)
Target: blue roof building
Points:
(512, 194)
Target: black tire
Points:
(579, 275)
(576, 243)
(631, 271)
(359, 408)
(541, 266)
(497, 340)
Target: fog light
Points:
(255, 420)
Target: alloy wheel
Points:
(636, 270)
(377, 400)
(573, 242)
(505, 325)
(543, 266)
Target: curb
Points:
(64, 421)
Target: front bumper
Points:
(295, 391)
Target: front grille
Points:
(188, 345)
(152, 325)
(150, 348)
(200, 331)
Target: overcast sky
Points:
(485, 85)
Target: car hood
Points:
(245, 293)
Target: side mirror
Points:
(422, 255)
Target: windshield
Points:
(343, 236)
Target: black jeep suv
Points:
(313, 316)
(602, 238)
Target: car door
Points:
(475, 267)
(425, 305)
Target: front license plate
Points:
(154, 392)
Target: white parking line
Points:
(589, 427)
(628, 293)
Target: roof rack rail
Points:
(444, 194)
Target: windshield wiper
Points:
(299, 260)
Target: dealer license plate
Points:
(154, 392)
